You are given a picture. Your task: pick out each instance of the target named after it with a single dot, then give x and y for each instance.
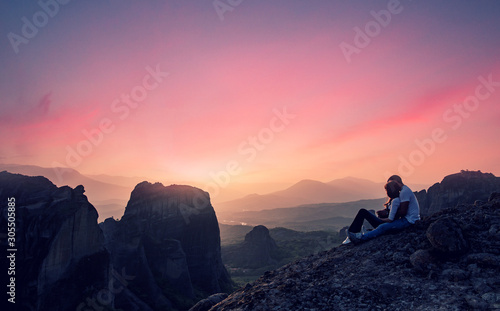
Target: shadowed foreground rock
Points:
(207, 303)
(168, 240)
(465, 187)
(60, 260)
(446, 236)
(406, 271)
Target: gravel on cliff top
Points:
(448, 261)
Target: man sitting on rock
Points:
(404, 211)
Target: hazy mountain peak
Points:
(352, 179)
(306, 181)
(308, 191)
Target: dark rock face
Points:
(260, 247)
(258, 250)
(61, 262)
(169, 240)
(402, 271)
(462, 188)
(446, 236)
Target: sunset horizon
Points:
(219, 94)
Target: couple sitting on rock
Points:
(401, 211)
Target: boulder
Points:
(446, 236)
(423, 260)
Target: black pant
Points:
(363, 214)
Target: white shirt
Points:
(394, 208)
(406, 195)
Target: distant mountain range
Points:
(109, 199)
(464, 187)
(95, 189)
(307, 192)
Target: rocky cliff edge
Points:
(448, 261)
(59, 256)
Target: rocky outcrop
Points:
(260, 248)
(446, 236)
(168, 239)
(60, 259)
(448, 261)
(465, 187)
(257, 250)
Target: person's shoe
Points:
(346, 241)
(355, 238)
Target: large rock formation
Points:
(261, 247)
(416, 269)
(168, 239)
(258, 250)
(462, 188)
(60, 262)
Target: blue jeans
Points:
(396, 225)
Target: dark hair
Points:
(392, 188)
(395, 178)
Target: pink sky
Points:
(226, 80)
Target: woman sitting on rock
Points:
(397, 219)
